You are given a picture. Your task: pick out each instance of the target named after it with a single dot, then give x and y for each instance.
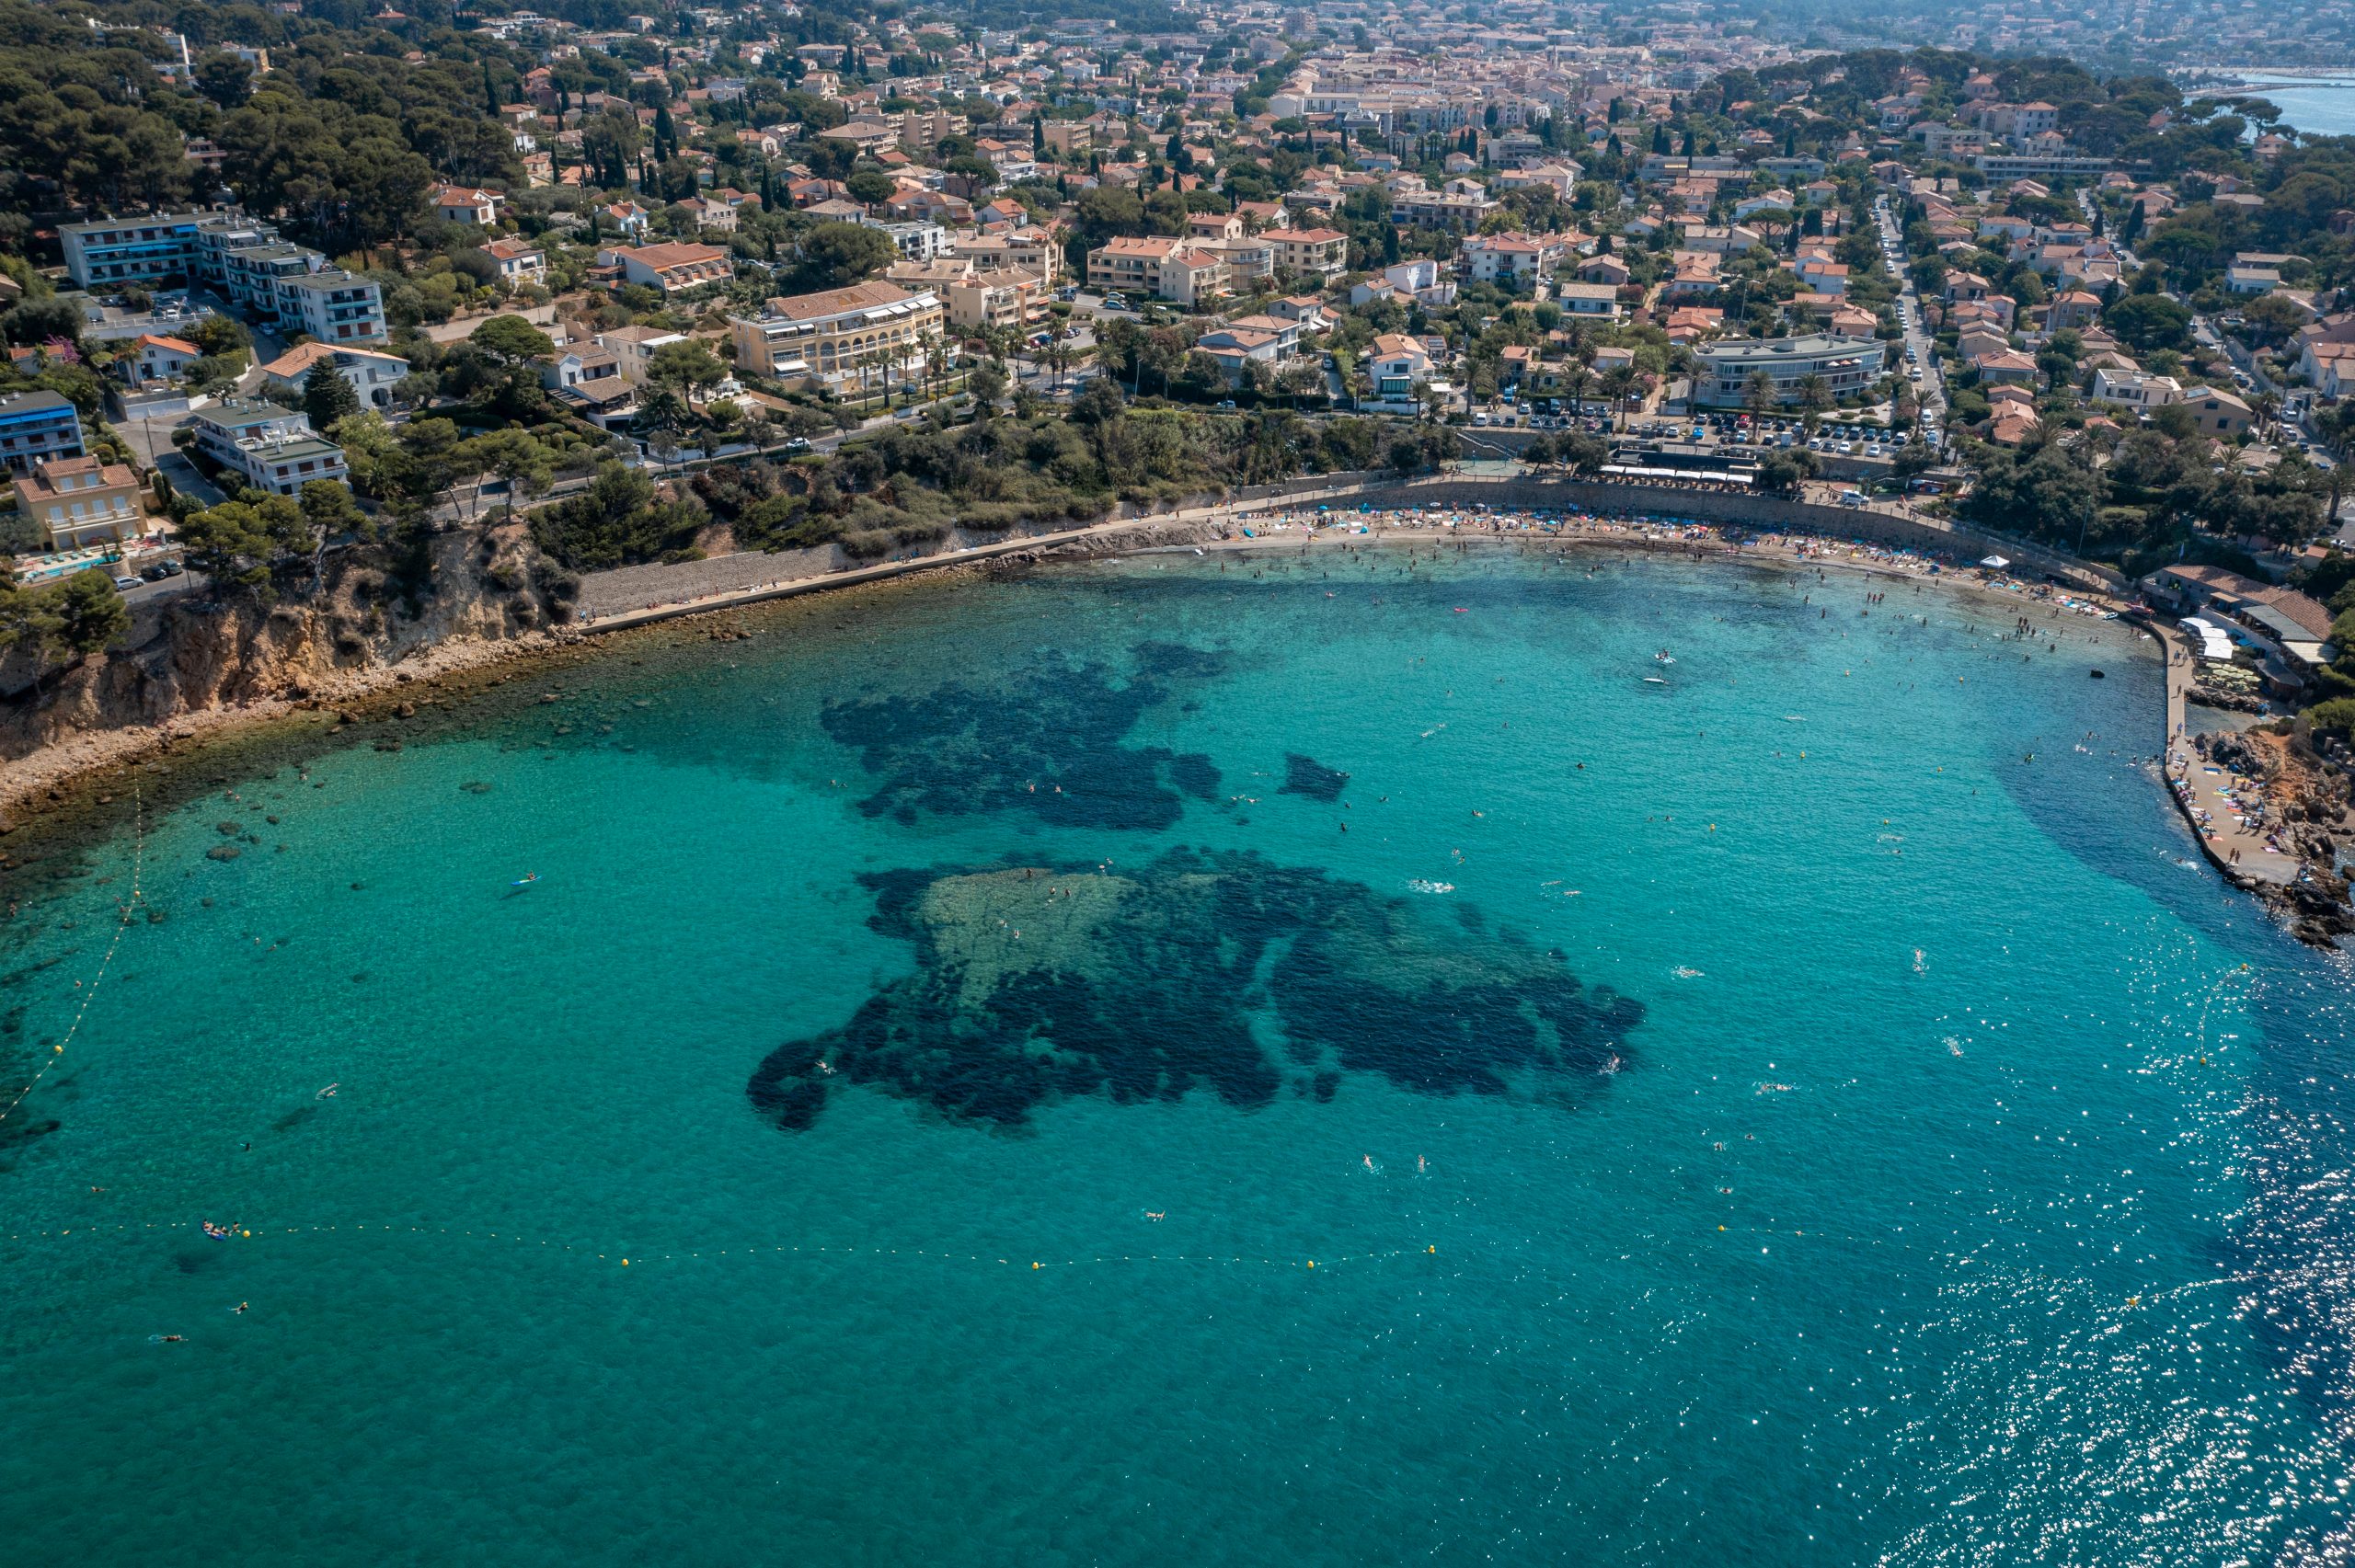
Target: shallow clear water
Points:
(1830, 1125)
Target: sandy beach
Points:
(98, 762)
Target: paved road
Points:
(1931, 388)
(187, 479)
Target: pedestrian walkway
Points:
(2228, 811)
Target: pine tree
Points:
(326, 396)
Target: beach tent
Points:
(1995, 562)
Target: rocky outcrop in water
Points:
(1220, 971)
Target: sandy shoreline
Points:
(55, 777)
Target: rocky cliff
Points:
(197, 653)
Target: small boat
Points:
(1654, 681)
(2099, 675)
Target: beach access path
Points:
(1023, 543)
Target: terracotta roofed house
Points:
(465, 204)
(670, 268)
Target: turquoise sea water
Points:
(1828, 1126)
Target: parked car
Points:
(126, 583)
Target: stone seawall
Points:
(629, 590)
(629, 595)
(1769, 513)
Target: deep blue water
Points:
(1799, 1108)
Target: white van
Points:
(1852, 497)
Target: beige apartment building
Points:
(1166, 268)
(862, 339)
(1325, 252)
(1008, 298)
(1030, 250)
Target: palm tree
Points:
(1815, 392)
(1576, 378)
(1758, 391)
(1618, 383)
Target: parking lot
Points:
(1855, 436)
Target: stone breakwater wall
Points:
(631, 591)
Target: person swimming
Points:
(327, 1093)
(525, 881)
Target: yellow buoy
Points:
(625, 1263)
(1311, 1263)
(1034, 1265)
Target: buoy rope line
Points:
(611, 1253)
(129, 907)
(263, 1233)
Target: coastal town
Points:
(706, 283)
(994, 783)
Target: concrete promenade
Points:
(637, 596)
(2214, 800)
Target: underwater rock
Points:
(1217, 970)
(1306, 776)
(1050, 741)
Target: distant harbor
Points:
(2317, 100)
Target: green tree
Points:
(987, 382)
(515, 456)
(510, 340)
(239, 542)
(2150, 321)
(872, 187)
(1583, 452)
(688, 367)
(82, 614)
(1098, 402)
(1781, 473)
(225, 79)
(327, 398)
(834, 255)
(329, 512)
